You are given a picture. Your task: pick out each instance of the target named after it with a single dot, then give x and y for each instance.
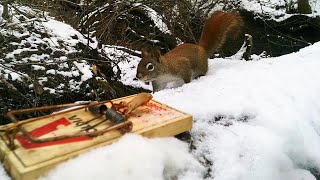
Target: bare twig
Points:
(48, 62)
(30, 16)
(75, 65)
(14, 89)
(26, 21)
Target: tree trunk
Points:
(248, 45)
(304, 7)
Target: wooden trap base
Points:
(30, 160)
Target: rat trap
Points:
(31, 147)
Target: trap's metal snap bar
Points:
(118, 120)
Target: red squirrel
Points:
(188, 61)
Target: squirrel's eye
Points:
(150, 67)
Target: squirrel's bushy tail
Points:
(217, 28)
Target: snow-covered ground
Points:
(272, 9)
(276, 9)
(252, 120)
(44, 41)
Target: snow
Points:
(66, 33)
(51, 91)
(60, 38)
(268, 127)
(272, 9)
(279, 95)
(51, 71)
(12, 75)
(275, 8)
(133, 157)
(37, 67)
(128, 73)
(1, 11)
(157, 19)
(252, 119)
(271, 117)
(85, 70)
(3, 175)
(127, 68)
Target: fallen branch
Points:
(18, 23)
(21, 12)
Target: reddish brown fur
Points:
(188, 61)
(184, 56)
(216, 29)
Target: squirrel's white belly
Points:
(170, 81)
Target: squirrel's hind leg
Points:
(202, 69)
(196, 75)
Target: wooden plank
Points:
(30, 160)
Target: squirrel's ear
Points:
(151, 52)
(144, 52)
(156, 53)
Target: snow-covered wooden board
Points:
(30, 160)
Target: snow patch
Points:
(127, 67)
(85, 70)
(252, 119)
(1, 11)
(281, 98)
(270, 111)
(3, 174)
(37, 67)
(51, 90)
(51, 71)
(156, 18)
(132, 157)
(272, 9)
(276, 8)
